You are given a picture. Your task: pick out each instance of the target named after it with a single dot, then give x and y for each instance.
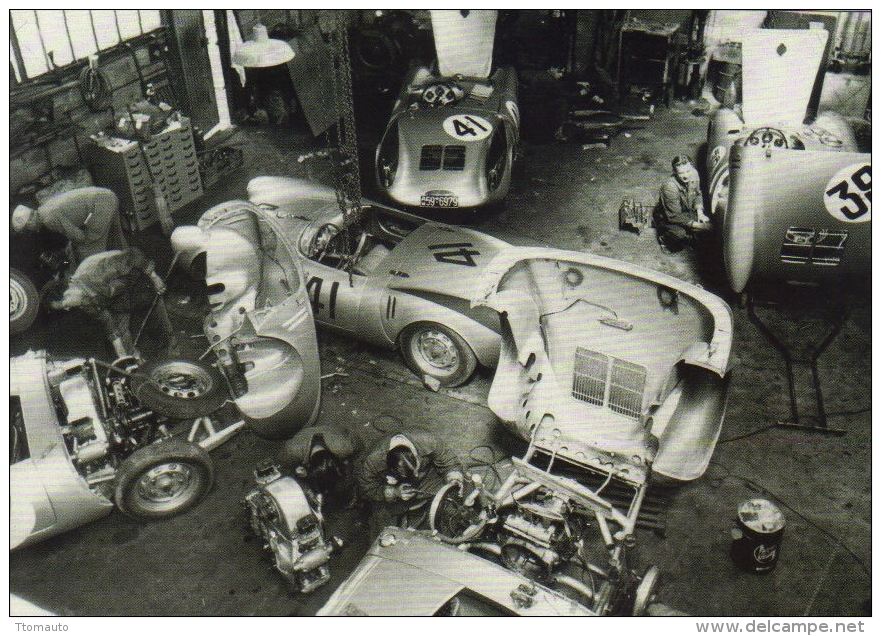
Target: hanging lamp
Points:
(262, 51)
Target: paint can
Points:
(756, 536)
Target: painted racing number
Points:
(848, 194)
(455, 253)
(313, 288)
(467, 127)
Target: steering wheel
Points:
(440, 94)
(320, 242)
(766, 138)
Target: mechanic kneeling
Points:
(320, 455)
(402, 473)
(679, 214)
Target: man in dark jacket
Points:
(680, 210)
(402, 473)
(320, 456)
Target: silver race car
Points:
(391, 278)
(793, 196)
(451, 141)
(85, 435)
(455, 128)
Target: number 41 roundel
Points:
(467, 127)
(848, 195)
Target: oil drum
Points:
(756, 536)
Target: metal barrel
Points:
(756, 536)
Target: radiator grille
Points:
(606, 381)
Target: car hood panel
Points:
(443, 259)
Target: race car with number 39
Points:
(451, 141)
(389, 278)
(793, 196)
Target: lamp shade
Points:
(262, 51)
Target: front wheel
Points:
(163, 479)
(430, 349)
(24, 301)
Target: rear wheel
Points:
(163, 479)
(430, 349)
(24, 302)
(178, 388)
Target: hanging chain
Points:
(348, 173)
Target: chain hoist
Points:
(348, 175)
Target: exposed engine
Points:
(102, 421)
(289, 521)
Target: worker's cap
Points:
(400, 441)
(20, 217)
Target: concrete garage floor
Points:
(207, 563)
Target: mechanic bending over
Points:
(111, 287)
(87, 217)
(320, 455)
(680, 209)
(402, 473)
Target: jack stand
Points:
(837, 321)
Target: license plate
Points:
(439, 201)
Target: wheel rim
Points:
(167, 486)
(435, 353)
(182, 379)
(18, 300)
(456, 521)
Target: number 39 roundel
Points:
(848, 195)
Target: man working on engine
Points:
(320, 456)
(110, 286)
(88, 217)
(402, 473)
(680, 210)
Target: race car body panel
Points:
(599, 357)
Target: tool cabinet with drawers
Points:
(130, 168)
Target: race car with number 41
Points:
(388, 278)
(451, 141)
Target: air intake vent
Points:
(605, 381)
(431, 157)
(454, 158)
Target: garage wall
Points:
(49, 120)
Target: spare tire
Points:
(179, 388)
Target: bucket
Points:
(756, 536)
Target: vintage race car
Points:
(792, 196)
(85, 435)
(451, 141)
(408, 573)
(411, 573)
(455, 128)
(391, 278)
(608, 367)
